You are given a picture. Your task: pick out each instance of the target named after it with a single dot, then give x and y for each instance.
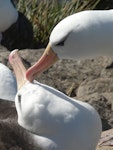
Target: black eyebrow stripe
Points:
(63, 41)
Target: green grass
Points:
(44, 16)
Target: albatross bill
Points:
(48, 58)
(18, 67)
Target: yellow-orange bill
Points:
(48, 58)
(19, 69)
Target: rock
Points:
(4, 53)
(105, 147)
(13, 136)
(104, 108)
(99, 85)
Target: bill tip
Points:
(12, 55)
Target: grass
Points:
(45, 15)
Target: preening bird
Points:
(81, 35)
(60, 122)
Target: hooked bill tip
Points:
(12, 55)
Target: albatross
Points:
(81, 35)
(8, 15)
(58, 121)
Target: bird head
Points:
(59, 47)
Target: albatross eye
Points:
(63, 40)
(60, 44)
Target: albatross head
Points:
(60, 46)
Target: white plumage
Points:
(8, 14)
(66, 122)
(8, 86)
(87, 33)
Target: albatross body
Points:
(67, 123)
(8, 14)
(60, 122)
(81, 35)
(8, 86)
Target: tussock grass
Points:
(44, 15)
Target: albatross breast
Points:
(49, 113)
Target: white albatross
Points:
(81, 35)
(8, 86)
(60, 122)
(8, 15)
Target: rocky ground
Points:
(89, 80)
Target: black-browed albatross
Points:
(61, 123)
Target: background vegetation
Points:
(44, 15)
